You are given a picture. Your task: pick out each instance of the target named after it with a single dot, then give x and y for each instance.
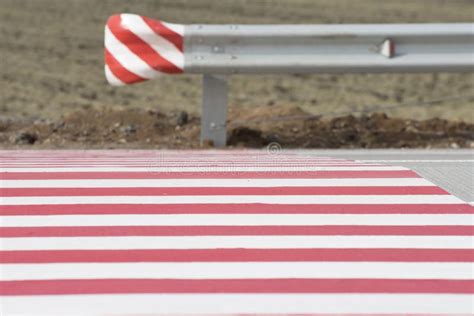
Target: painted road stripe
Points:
(226, 242)
(183, 156)
(243, 286)
(229, 166)
(416, 160)
(210, 183)
(361, 230)
(396, 174)
(237, 208)
(229, 191)
(212, 199)
(239, 255)
(205, 169)
(185, 162)
(242, 303)
(230, 270)
(204, 163)
(174, 158)
(135, 222)
(238, 220)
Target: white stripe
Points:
(167, 151)
(182, 165)
(127, 58)
(177, 28)
(171, 160)
(232, 270)
(204, 169)
(231, 242)
(159, 44)
(232, 304)
(111, 78)
(144, 158)
(234, 199)
(148, 162)
(185, 156)
(159, 163)
(238, 220)
(182, 155)
(171, 157)
(418, 160)
(213, 183)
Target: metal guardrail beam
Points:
(139, 48)
(376, 48)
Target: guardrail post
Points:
(214, 110)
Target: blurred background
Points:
(53, 92)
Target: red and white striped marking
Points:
(138, 48)
(141, 232)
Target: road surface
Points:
(453, 170)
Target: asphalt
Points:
(452, 170)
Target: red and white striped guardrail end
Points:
(138, 48)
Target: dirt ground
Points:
(138, 128)
(52, 82)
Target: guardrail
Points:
(139, 48)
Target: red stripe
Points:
(186, 153)
(183, 155)
(163, 31)
(209, 175)
(139, 47)
(239, 255)
(128, 286)
(102, 231)
(70, 209)
(120, 71)
(153, 191)
(190, 162)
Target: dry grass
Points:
(52, 58)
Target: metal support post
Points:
(214, 110)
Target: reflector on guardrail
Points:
(138, 48)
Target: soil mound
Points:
(255, 128)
